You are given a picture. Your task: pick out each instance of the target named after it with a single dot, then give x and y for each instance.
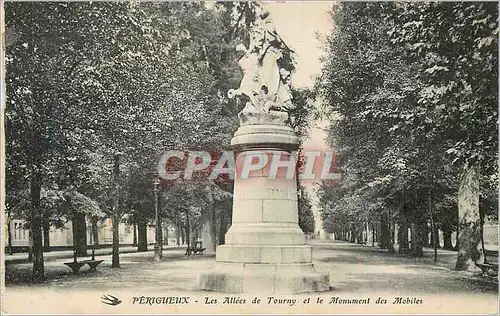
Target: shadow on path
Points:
(136, 270)
(352, 268)
(362, 268)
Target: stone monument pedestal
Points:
(265, 250)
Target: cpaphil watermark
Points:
(227, 166)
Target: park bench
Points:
(76, 265)
(490, 264)
(196, 249)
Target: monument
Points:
(265, 248)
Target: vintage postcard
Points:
(217, 157)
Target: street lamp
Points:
(157, 249)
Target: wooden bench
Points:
(75, 266)
(93, 264)
(490, 264)
(488, 268)
(197, 249)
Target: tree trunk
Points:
(183, 235)
(214, 226)
(360, 234)
(416, 238)
(390, 245)
(166, 226)
(384, 232)
(160, 221)
(9, 234)
(79, 234)
(178, 232)
(188, 230)
(469, 221)
(115, 260)
(160, 232)
(142, 235)
(2, 176)
(437, 241)
(367, 233)
(208, 229)
(425, 235)
(403, 238)
(166, 233)
(481, 216)
(36, 228)
(30, 246)
(434, 231)
(46, 235)
(134, 237)
(229, 216)
(447, 240)
(95, 232)
(352, 234)
(223, 227)
(373, 234)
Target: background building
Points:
(62, 238)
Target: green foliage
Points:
(455, 46)
(415, 87)
(89, 81)
(303, 113)
(130, 82)
(306, 216)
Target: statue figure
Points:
(264, 83)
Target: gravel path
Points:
(353, 268)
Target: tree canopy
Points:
(415, 86)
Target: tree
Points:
(44, 74)
(119, 81)
(306, 216)
(405, 88)
(457, 46)
(367, 84)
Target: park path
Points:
(355, 271)
(363, 268)
(352, 268)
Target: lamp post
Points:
(158, 254)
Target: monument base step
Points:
(264, 278)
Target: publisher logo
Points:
(110, 300)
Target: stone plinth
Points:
(265, 250)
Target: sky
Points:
(299, 23)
